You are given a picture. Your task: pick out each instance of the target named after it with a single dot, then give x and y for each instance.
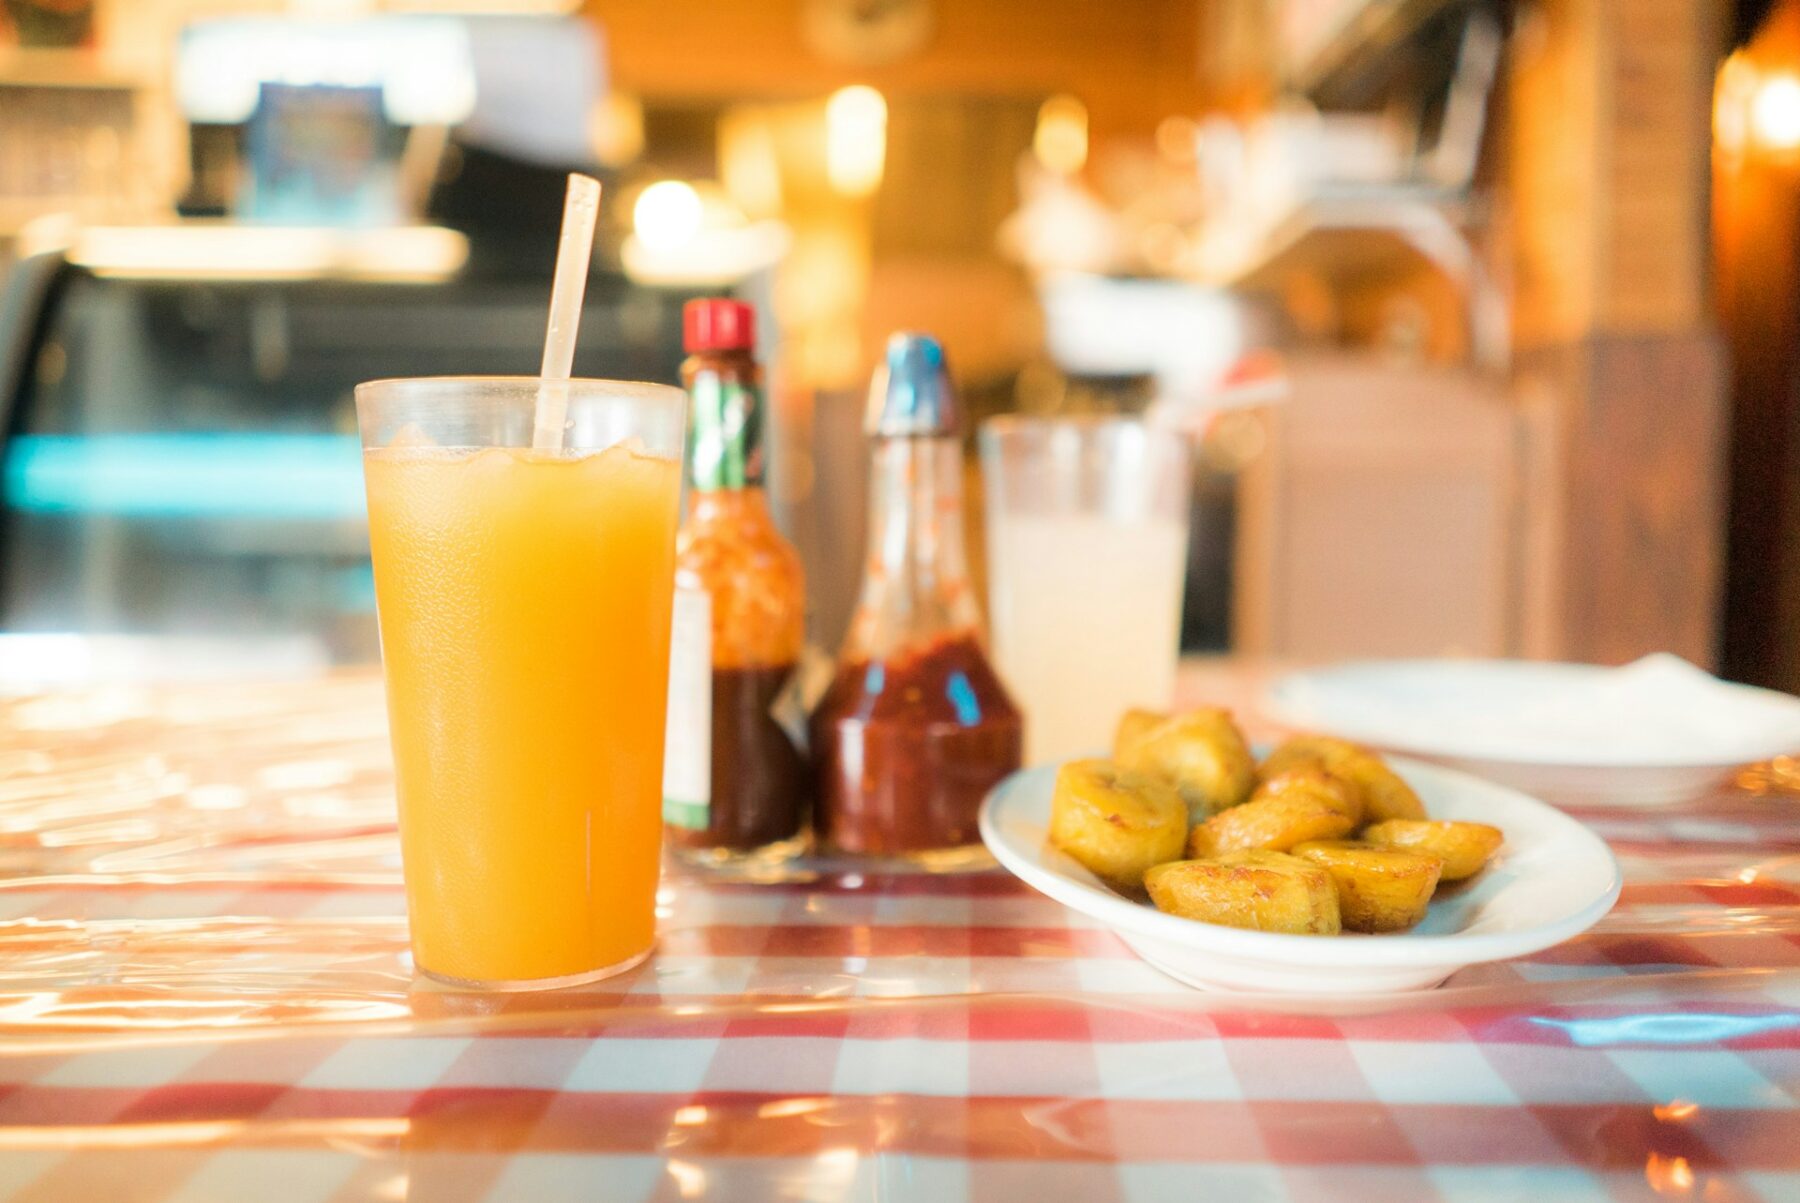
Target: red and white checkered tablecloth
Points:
(205, 995)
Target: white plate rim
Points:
(1279, 707)
(1406, 950)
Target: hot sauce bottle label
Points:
(725, 433)
(687, 748)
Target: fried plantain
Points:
(1300, 805)
(1265, 891)
(1116, 823)
(1379, 889)
(1201, 753)
(1465, 847)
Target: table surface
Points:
(205, 994)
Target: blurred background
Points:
(1522, 275)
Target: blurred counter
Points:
(182, 456)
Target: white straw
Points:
(580, 209)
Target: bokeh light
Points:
(667, 215)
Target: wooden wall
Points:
(1379, 520)
(1133, 63)
(1611, 110)
(1607, 143)
(1757, 245)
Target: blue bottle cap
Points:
(911, 394)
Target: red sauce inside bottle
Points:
(759, 781)
(907, 747)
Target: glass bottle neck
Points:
(725, 423)
(915, 575)
(747, 504)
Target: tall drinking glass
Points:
(524, 603)
(1087, 530)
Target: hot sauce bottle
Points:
(915, 727)
(735, 785)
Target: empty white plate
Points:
(1653, 733)
(1553, 879)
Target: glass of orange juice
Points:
(524, 600)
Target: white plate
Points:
(1552, 880)
(1478, 715)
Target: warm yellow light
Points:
(857, 105)
(1675, 1111)
(690, 1179)
(667, 215)
(748, 165)
(1775, 113)
(712, 258)
(855, 139)
(199, 1133)
(1061, 140)
(1177, 139)
(200, 250)
(1669, 1175)
(1732, 95)
(617, 129)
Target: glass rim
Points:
(648, 389)
(1005, 426)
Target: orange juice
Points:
(524, 607)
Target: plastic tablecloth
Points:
(205, 994)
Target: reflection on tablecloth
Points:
(205, 994)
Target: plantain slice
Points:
(1116, 823)
(1201, 753)
(1309, 751)
(1383, 793)
(1133, 726)
(1300, 805)
(1315, 784)
(1265, 891)
(1465, 847)
(1378, 889)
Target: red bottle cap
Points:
(717, 324)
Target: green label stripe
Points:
(725, 434)
(690, 816)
